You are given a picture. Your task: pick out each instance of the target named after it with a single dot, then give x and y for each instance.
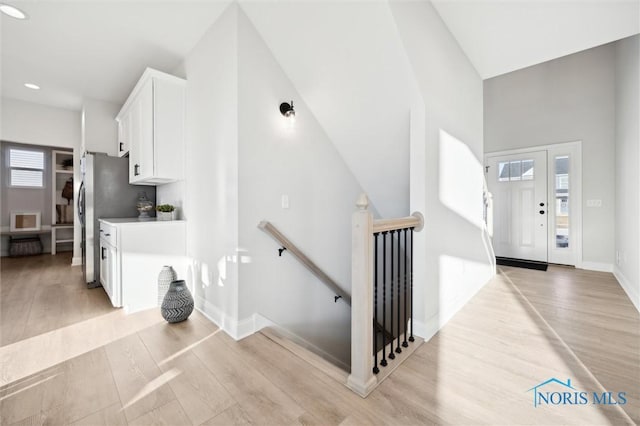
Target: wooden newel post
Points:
(362, 380)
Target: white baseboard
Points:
(76, 261)
(262, 322)
(597, 266)
(632, 292)
(428, 329)
(228, 324)
(238, 330)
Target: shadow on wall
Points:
(459, 253)
(460, 188)
(214, 288)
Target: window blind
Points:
(26, 159)
(27, 168)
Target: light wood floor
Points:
(521, 329)
(43, 293)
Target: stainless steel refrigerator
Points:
(105, 192)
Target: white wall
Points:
(242, 157)
(564, 100)
(211, 184)
(100, 129)
(346, 62)
(627, 166)
(35, 124)
(452, 260)
(299, 161)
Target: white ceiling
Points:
(501, 36)
(98, 49)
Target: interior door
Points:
(518, 183)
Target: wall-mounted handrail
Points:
(308, 263)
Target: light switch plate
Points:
(285, 201)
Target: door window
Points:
(509, 171)
(561, 165)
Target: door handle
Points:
(541, 211)
(541, 204)
(103, 256)
(80, 202)
(136, 170)
(121, 146)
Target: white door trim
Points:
(575, 149)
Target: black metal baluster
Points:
(411, 339)
(384, 299)
(391, 354)
(398, 350)
(405, 318)
(376, 370)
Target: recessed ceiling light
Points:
(12, 11)
(32, 86)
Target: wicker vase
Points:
(166, 276)
(178, 302)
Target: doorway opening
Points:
(537, 203)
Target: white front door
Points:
(518, 183)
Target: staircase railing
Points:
(308, 263)
(382, 262)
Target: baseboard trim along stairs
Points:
(399, 359)
(336, 373)
(331, 370)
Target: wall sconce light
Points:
(287, 110)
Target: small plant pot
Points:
(165, 215)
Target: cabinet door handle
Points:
(121, 146)
(136, 170)
(103, 255)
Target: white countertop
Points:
(135, 220)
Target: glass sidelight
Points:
(561, 165)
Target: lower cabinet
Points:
(108, 271)
(132, 254)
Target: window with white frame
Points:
(26, 168)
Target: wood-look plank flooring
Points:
(44, 293)
(521, 329)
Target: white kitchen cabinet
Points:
(109, 272)
(153, 120)
(109, 264)
(133, 256)
(124, 134)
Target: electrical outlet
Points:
(594, 203)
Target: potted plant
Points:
(67, 164)
(165, 211)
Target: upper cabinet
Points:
(151, 129)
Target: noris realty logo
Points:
(557, 392)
